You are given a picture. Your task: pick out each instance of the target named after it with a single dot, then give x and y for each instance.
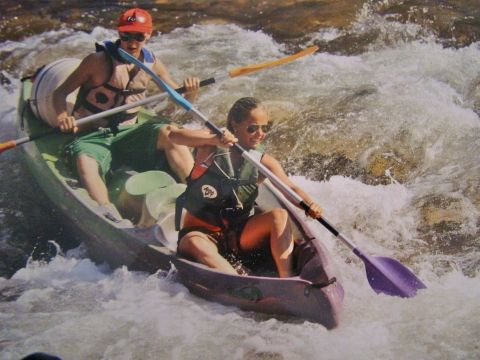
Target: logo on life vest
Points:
(209, 192)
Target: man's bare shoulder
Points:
(95, 59)
(97, 67)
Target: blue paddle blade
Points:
(390, 277)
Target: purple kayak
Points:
(315, 294)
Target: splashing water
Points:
(387, 141)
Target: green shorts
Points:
(133, 145)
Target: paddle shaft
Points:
(94, 117)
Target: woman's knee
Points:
(279, 217)
(194, 243)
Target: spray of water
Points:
(385, 140)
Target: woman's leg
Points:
(275, 225)
(198, 247)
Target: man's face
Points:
(132, 42)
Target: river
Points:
(381, 126)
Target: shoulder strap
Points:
(179, 205)
(223, 162)
(257, 154)
(148, 57)
(111, 48)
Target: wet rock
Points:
(466, 31)
(442, 222)
(390, 167)
(349, 43)
(11, 259)
(282, 19)
(285, 20)
(440, 210)
(22, 22)
(379, 168)
(293, 19)
(456, 22)
(322, 167)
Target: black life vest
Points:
(221, 196)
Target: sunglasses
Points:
(140, 37)
(254, 128)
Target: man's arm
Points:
(83, 74)
(161, 70)
(192, 84)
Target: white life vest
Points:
(121, 88)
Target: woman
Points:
(221, 192)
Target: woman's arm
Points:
(199, 137)
(274, 166)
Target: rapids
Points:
(386, 139)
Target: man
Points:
(105, 82)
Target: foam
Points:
(408, 98)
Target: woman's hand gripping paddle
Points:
(243, 70)
(385, 275)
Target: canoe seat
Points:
(129, 190)
(165, 232)
(159, 210)
(160, 204)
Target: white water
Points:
(416, 104)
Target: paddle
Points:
(384, 275)
(243, 70)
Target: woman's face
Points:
(252, 131)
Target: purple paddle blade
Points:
(388, 276)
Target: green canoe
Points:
(315, 294)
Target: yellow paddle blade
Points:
(7, 145)
(255, 67)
